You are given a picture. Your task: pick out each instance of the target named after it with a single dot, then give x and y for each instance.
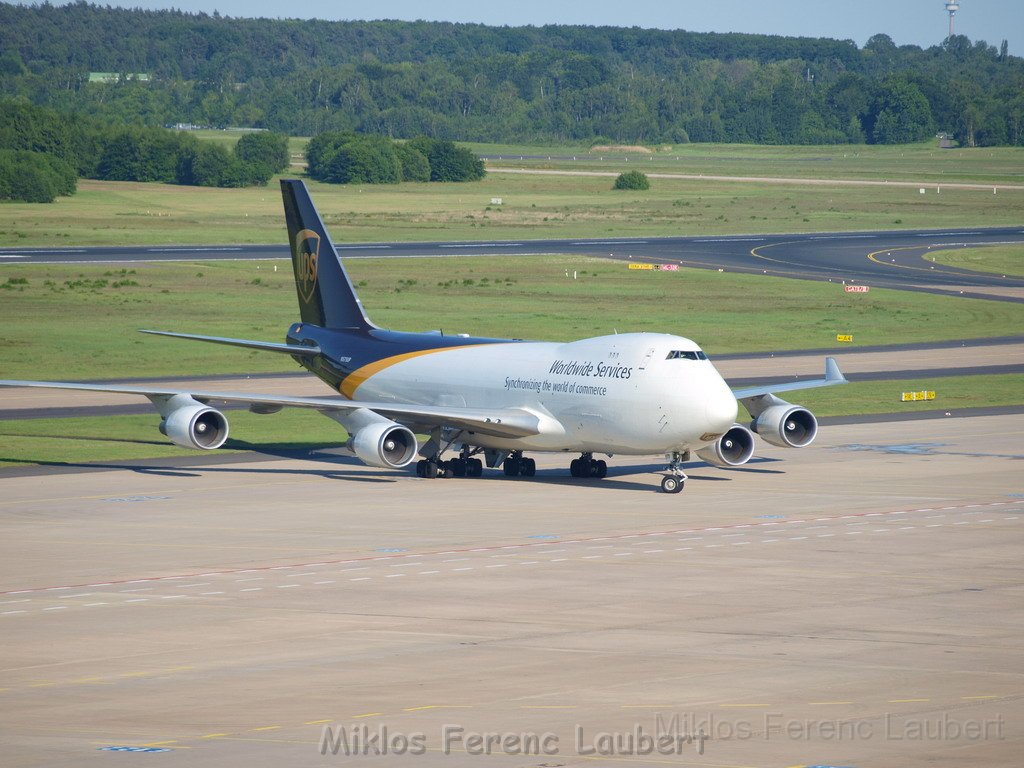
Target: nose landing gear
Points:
(674, 481)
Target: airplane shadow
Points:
(233, 464)
(335, 466)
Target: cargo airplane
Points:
(485, 400)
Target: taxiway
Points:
(855, 603)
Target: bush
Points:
(366, 160)
(205, 166)
(447, 161)
(144, 154)
(34, 177)
(345, 158)
(264, 148)
(632, 180)
(349, 158)
(415, 166)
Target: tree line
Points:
(43, 153)
(473, 82)
(350, 158)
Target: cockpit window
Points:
(680, 354)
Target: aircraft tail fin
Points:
(326, 295)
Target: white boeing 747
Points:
(631, 393)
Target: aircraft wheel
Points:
(671, 484)
(528, 468)
(600, 468)
(474, 468)
(459, 467)
(511, 467)
(574, 467)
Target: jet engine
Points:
(384, 444)
(732, 449)
(786, 425)
(196, 426)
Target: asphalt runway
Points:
(855, 603)
(892, 259)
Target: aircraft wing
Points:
(507, 422)
(833, 376)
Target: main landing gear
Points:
(674, 481)
(460, 467)
(434, 466)
(586, 466)
(516, 465)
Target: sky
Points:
(907, 22)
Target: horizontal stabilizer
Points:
(266, 346)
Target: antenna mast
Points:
(952, 6)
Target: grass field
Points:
(123, 213)
(79, 322)
(119, 438)
(999, 259)
(128, 213)
(916, 162)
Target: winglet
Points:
(832, 372)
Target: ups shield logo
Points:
(307, 254)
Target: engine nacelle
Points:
(384, 444)
(196, 426)
(732, 449)
(786, 425)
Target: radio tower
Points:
(952, 6)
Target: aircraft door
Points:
(647, 358)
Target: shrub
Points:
(632, 180)
(264, 148)
(415, 166)
(34, 177)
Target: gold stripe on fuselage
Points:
(354, 380)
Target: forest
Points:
(471, 82)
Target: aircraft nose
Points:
(721, 409)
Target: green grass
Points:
(952, 394)
(79, 322)
(999, 259)
(120, 438)
(915, 162)
(128, 213)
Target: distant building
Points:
(946, 141)
(118, 77)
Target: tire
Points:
(460, 467)
(421, 468)
(671, 484)
(528, 468)
(574, 467)
(601, 469)
(430, 469)
(511, 467)
(475, 468)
